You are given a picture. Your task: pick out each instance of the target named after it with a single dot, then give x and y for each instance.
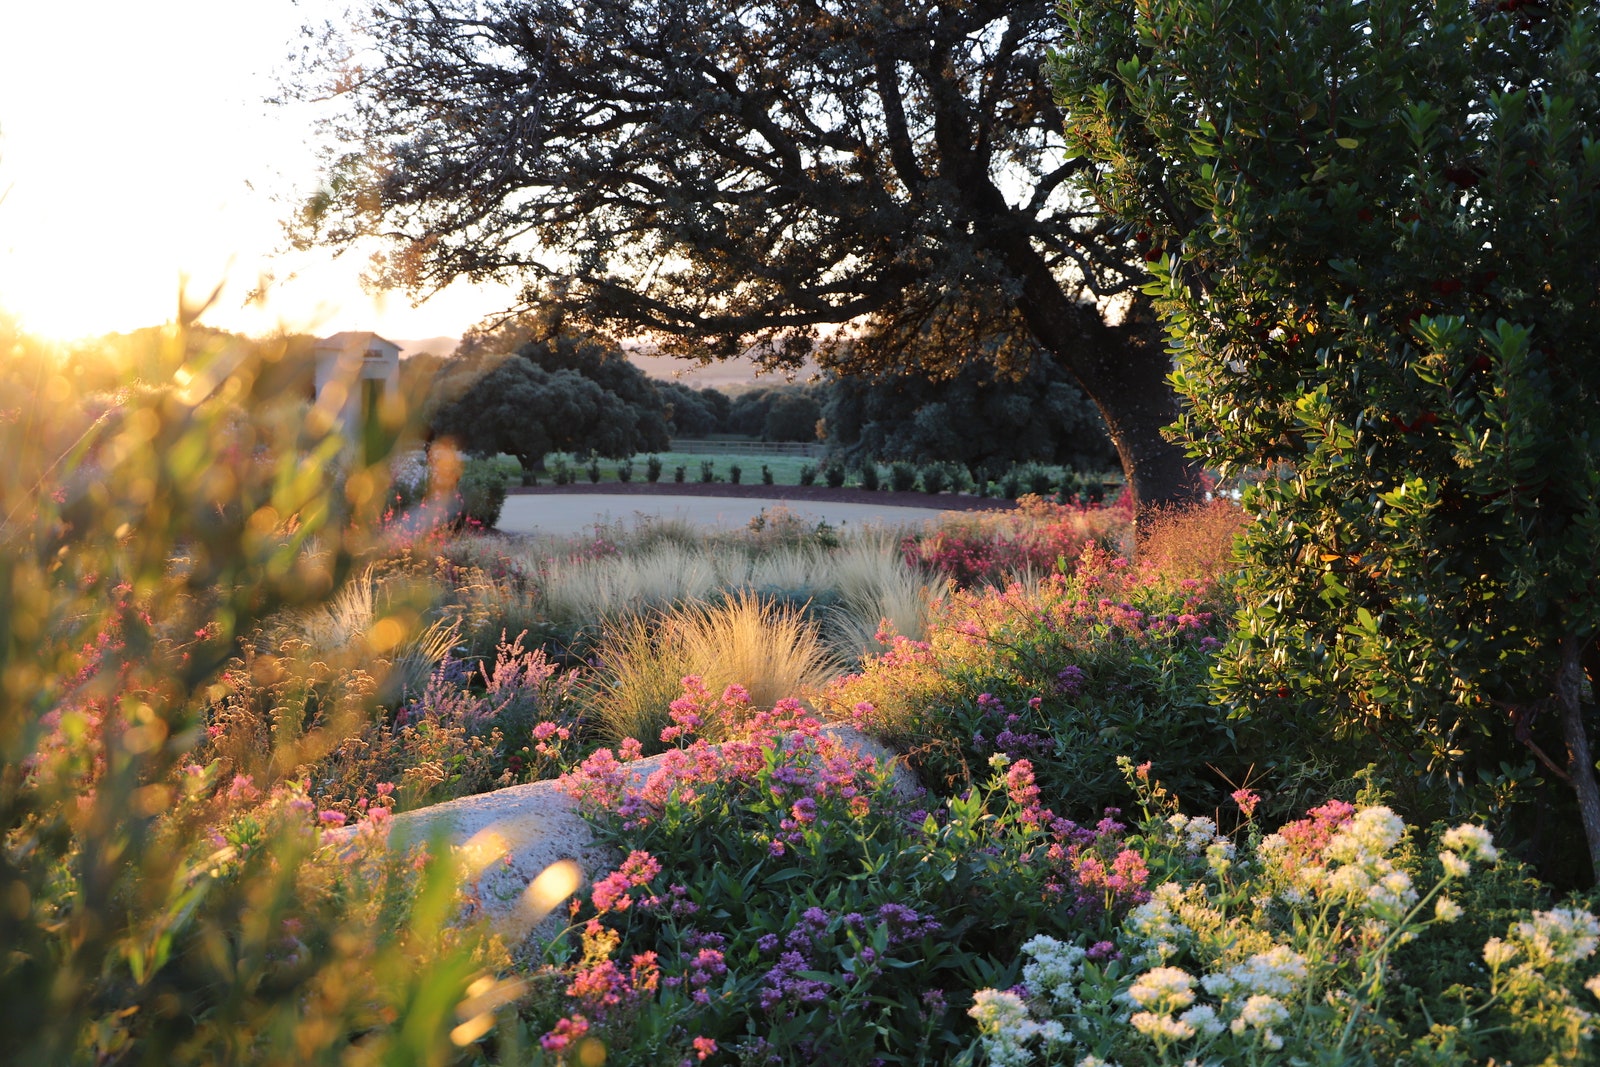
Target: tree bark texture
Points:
(1580, 757)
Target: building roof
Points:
(352, 341)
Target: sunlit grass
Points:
(773, 651)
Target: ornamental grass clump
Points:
(1336, 939)
(641, 661)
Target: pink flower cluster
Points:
(566, 1033)
(613, 892)
(1306, 838)
(808, 764)
(602, 989)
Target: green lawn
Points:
(785, 469)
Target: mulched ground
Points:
(883, 498)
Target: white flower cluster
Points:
(1162, 992)
(1473, 841)
(1252, 992)
(1054, 970)
(1006, 1030)
(1261, 1013)
(1198, 835)
(1355, 867)
(1155, 925)
(1277, 972)
(1464, 843)
(409, 472)
(1562, 936)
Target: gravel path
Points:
(564, 513)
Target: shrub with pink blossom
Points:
(1069, 672)
(799, 908)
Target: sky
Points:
(137, 148)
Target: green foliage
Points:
(735, 472)
(694, 412)
(902, 477)
(869, 476)
(833, 475)
(1070, 673)
(808, 475)
(1371, 228)
(981, 418)
(652, 469)
(708, 471)
(934, 479)
(564, 388)
(481, 493)
(153, 913)
(625, 471)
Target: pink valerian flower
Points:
(707, 965)
(611, 893)
(1306, 838)
(1247, 801)
(243, 788)
(640, 867)
(566, 1033)
(597, 784)
(630, 750)
(544, 731)
(804, 811)
(600, 989)
(1020, 785)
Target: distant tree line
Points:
(538, 384)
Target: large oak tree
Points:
(719, 175)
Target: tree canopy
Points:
(747, 174)
(563, 389)
(982, 419)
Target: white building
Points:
(355, 372)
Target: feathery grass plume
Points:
(1193, 542)
(641, 666)
(791, 568)
(378, 620)
(774, 652)
(875, 586)
(583, 591)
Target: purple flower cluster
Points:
(1007, 738)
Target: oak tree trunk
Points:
(1580, 758)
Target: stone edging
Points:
(512, 835)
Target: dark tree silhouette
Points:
(563, 389)
(720, 175)
(982, 420)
